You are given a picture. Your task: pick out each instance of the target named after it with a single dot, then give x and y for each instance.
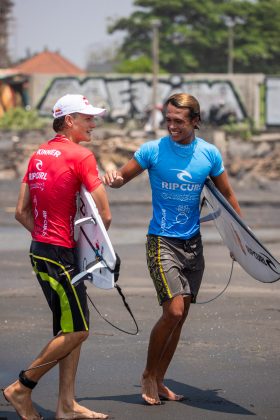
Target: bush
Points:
(21, 119)
(241, 130)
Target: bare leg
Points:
(67, 407)
(18, 395)
(161, 335)
(168, 354)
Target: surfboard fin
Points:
(210, 216)
(85, 221)
(88, 273)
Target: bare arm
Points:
(101, 200)
(23, 212)
(223, 185)
(118, 178)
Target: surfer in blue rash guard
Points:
(178, 165)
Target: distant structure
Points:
(48, 62)
(5, 15)
(41, 69)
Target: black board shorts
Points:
(176, 266)
(55, 266)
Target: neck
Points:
(65, 135)
(185, 141)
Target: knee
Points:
(174, 317)
(174, 311)
(81, 336)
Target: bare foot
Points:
(167, 394)
(20, 398)
(149, 391)
(79, 412)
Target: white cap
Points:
(68, 104)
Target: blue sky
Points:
(72, 27)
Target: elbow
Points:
(107, 219)
(18, 215)
(107, 222)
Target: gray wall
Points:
(124, 95)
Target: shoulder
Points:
(78, 151)
(153, 145)
(205, 146)
(148, 152)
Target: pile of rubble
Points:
(256, 160)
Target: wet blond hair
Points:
(185, 101)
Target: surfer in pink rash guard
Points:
(46, 208)
(178, 165)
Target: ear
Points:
(195, 122)
(68, 121)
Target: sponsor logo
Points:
(180, 197)
(58, 112)
(163, 220)
(183, 175)
(264, 259)
(37, 185)
(45, 223)
(182, 187)
(48, 152)
(37, 175)
(39, 164)
(187, 185)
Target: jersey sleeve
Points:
(25, 178)
(217, 163)
(143, 155)
(88, 172)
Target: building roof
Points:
(48, 62)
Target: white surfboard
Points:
(96, 256)
(248, 251)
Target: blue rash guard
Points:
(177, 175)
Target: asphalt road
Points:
(227, 362)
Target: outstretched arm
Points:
(223, 185)
(23, 212)
(101, 200)
(117, 178)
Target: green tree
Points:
(194, 36)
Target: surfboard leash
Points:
(203, 201)
(127, 307)
(224, 289)
(116, 272)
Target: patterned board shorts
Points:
(54, 267)
(176, 266)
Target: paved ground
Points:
(227, 363)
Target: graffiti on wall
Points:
(130, 97)
(272, 109)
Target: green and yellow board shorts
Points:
(55, 266)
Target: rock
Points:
(253, 161)
(262, 150)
